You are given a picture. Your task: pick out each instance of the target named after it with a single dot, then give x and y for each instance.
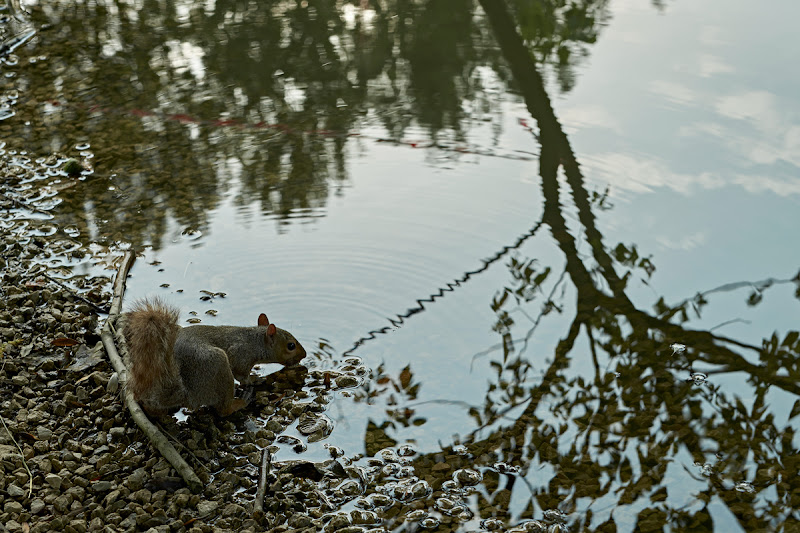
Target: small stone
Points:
(117, 432)
(59, 408)
(274, 425)
(111, 497)
(12, 507)
(206, 507)
(54, 480)
(346, 382)
(83, 470)
(233, 509)
(78, 526)
(96, 524)
(61, 504)
(102, 486)
(142, 496)
(181, 500)
(136, 479)
(37, 504)
(73, 168)
(299, 521)
(16, 492)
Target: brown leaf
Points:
(64, 341)
(405, 377)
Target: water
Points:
(587, 278)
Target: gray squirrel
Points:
(173, 366)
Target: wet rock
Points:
(73, 168)
(299, 521)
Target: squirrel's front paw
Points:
(248, 393)
(253, 380)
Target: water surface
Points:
(561, 237)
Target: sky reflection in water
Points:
(514, 265)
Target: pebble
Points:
(102, 486)
(16, 492)
(54, 480)
(206, 507)
(12, 506)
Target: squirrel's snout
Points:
(300, 356)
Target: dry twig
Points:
(156, 437)
(258, 503)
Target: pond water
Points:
(560, 237)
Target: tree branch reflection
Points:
(618, 436)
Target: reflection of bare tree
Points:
(620, 433)
(451, 286)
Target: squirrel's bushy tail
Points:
(150, 331)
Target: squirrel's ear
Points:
(263, 320)
(271, 330)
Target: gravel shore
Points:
(71, 458)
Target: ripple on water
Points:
(191, 234)
(43, 230)
(6, 112)
(72, 231)
(406, 450)
(460, 449)
(534, 526)
(467, 477)
(429, 522)
(492, 524)
(698, 378)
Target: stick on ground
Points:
(156, 437)
(258, 503)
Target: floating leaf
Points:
(405, 377)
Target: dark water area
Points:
(559, 238)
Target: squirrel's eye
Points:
(290, 346)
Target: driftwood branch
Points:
(258, 504)
(156, 437)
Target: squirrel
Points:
(173, 366)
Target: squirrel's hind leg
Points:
(237, 403)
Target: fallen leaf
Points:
(64, 341)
